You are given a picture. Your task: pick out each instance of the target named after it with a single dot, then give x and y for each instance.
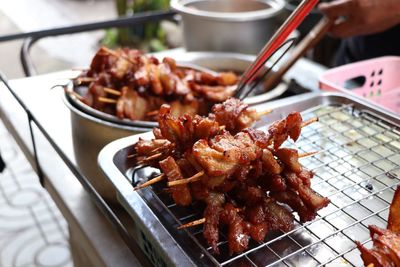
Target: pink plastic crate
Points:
(377, 80)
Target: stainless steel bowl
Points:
(242, 26)
(89, 135)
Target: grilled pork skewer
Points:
(257, 116)
(202, 220)
(276, 128)
(195, 177)
(150, 82)
(242, 175)
(198, 176)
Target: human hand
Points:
(361, 17)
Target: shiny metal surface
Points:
(228, 25)
(89, 136)
(359, 146)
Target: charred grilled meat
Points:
(250, 185)
(140, 84)
(386, 242)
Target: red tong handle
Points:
(279, 37)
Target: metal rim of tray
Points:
(159, 233)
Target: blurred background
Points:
(57, 53)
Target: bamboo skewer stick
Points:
(194, 178)
(152, 151)
(308, 122)
(155, 112)
(198, 175)
(306, 154)
(222, 127)
(75, 94)
(107, 100)
(81, 80)
(195, 223)
(112, 91)
(150, 182)
(111, 52)
(263, 113)
(155, 156)
(191, 224)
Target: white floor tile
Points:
(32, 230)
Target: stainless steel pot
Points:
(242, 26)
(90, 135)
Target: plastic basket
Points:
(377, 80)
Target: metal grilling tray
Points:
(358, 168)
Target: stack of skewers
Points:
(132, 85)
(250, 185)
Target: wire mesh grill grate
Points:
(357, 169)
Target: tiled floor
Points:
(32, 230)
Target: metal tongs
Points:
(278, 40)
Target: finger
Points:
(337, 8)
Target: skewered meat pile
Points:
(247, 181)
(131, 85)
(386, 242)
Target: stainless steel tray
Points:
(358, 168)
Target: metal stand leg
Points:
(2, 164)
(38, 168)
(30, 121)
